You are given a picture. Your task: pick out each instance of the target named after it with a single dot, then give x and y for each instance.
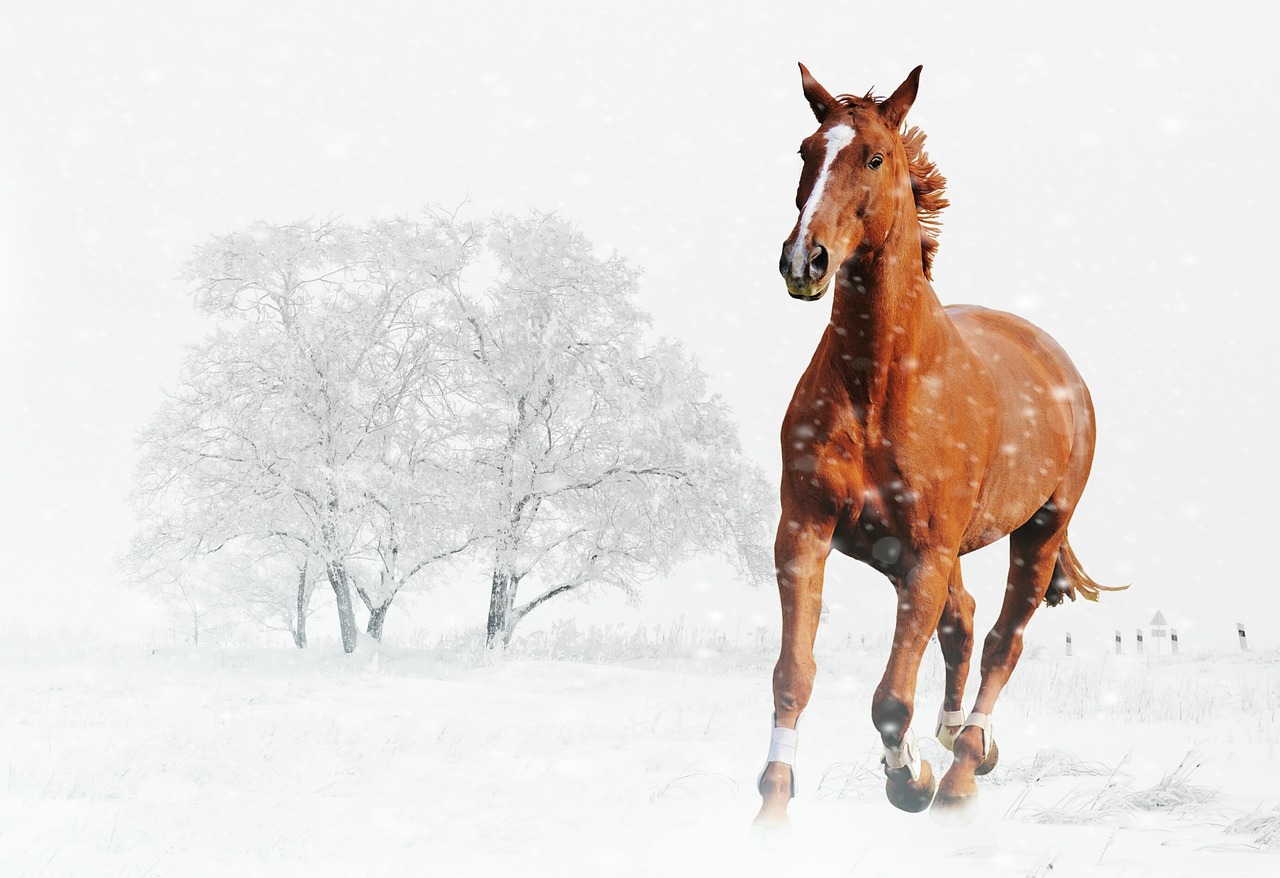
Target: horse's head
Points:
(855, 182)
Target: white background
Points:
(1112, 177)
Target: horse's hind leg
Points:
(955, 636)
(1033, 550)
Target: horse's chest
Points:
(879, 530)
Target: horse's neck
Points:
(886, 326)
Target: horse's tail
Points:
(1069, 579)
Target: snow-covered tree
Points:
(311, 419)
(603, 457)
(207, 490)
(363, 413)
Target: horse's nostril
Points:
(818, 262)
(784, 264)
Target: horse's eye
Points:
(876, 162)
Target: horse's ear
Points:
(820, 100)
(894, 108)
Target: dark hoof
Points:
(954, 811)
(907, 795)
(993, 756)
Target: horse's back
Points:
(1020, 355)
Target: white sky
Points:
(1112, 178)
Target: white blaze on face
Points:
(838, 137)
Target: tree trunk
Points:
(502, 599)
(377, 616)
(346, 613)
(378, 613)
(300, 623)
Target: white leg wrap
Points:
(947, 719)
(905, 755)
(981, 721)
(782, 748)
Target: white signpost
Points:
(1117, 641)
(1173, 640)
(1139, 650)
(1068, 643)
(1159, 628)
(1244, 644)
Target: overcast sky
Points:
(1112, 177)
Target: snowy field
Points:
(604, 756)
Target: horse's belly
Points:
(1007, 501)
(1043, 411)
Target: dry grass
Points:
(850, 780)
(1264, 826)
(698, 784)
(1119, 802)
(1047, 763)
(603, 644)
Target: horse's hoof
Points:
(988, 763)
(954, 811)
(906, 794)
(771, 838)
(772, 818)
(767, 826)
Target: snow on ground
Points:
(621, 762)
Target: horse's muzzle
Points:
(805, 271)
(809, 293)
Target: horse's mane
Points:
(928, 186)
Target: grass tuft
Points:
(1264, 827)
(1117, 802)
(850, 780)
(1050, 762)
(696, 784)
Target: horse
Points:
(917, 434)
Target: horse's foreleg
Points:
(955, 636)
(1033, 552)
(800, 554)
(922, 593)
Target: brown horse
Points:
(918, 433)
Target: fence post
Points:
(1068, 643)
(1139, 641)
(1117, 641)
(1244, 644)
(1173, 640)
